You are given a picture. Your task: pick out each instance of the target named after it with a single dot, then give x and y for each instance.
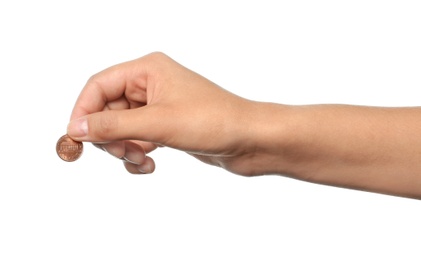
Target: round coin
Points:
(68, 149)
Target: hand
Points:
(131, 108)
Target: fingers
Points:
(147, 147)
(148, 166)
(130, 80)
(117, 149)
(132, 153)
(110, 85)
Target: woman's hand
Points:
(131, 108)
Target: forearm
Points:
(367, 148)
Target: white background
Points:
(292, 52)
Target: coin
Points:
(68, 149)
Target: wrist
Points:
(272, 138)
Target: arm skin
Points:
(367, 148)
(131, 108)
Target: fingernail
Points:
(134, 157)
(99, 146)
(78, 128)
(144, 168)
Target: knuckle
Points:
(93, 80)
(157, 55)
(157, 58)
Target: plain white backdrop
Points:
(293, 52)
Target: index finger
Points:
(106, 86)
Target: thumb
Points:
(111, 125)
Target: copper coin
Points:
(68, 149)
